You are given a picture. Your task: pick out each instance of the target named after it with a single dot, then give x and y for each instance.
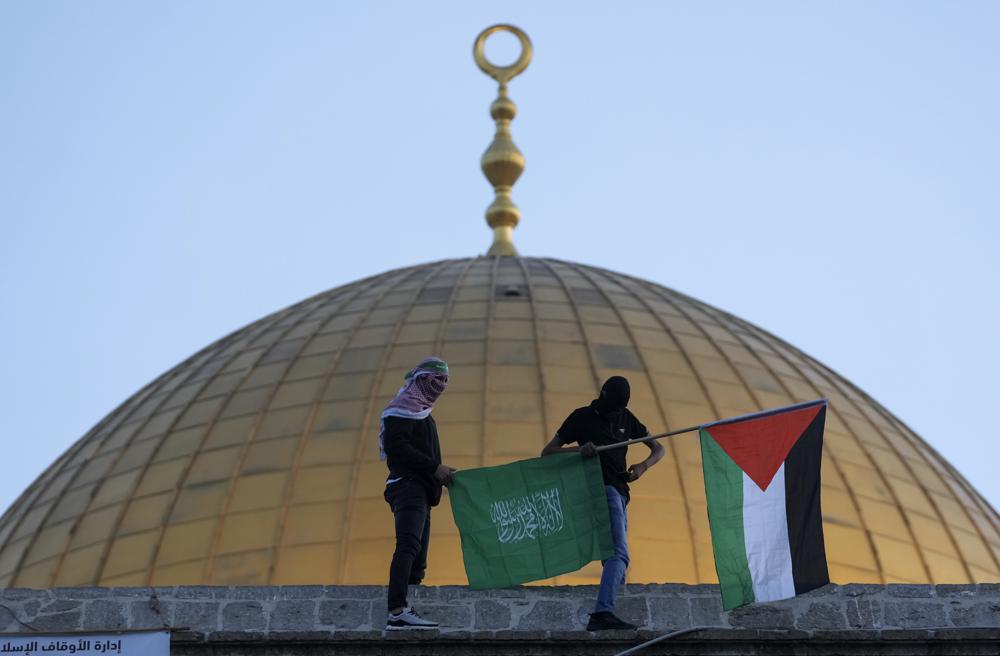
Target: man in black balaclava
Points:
(607, 420)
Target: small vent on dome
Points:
(511, 291)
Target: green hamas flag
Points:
(530, 520)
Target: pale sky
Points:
(171, 171)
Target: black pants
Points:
(408, 501)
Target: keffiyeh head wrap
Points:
(415, 399)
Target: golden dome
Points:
(255, 461)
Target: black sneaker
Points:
(408, 619)
(605, 621)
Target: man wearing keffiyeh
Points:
(408, 442)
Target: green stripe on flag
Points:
(724, 491)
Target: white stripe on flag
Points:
(765, 532)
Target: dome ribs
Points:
(537, 334)
(191, 368)
(261, 426)
(838, 382)
(671, 446)
(819, 370)
(305, 308)
(487, 446)
(791, 397)
(548, 264)
(388, 282)
(368, 432)
(186, 371)
(224, 515)
(192, 458)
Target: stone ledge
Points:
(331, 613)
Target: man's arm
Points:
(555, 445)
(656, 454)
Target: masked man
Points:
(408, 442)
(607, 421)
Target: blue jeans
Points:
(614, 567)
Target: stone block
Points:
(253, 592)
(60, 606)
(827, 591)
(864, 613)
(909, 590)
(183, 636)
(762, 616)
(300, 591)
(354, 592)
(424, 635)
(151, 613)
(681, 590)
(80, 593)
(707, 611)
(356, 635)
(197, 615)
(236, 636)
(982, 614)
(969, 634)
(21, 594)
(632, 609)
(243, 616)
(345, 613)
(948, 590)
(56, 622)
(861, 589)
(914, 614)
(548, 616)
(521, 634)
(130, 592)
(30, 608)
(457, 593)
(905, 634)
(988, 589)
(668, 613)
(195, 592)
(293, 616)
(421, 593)
(822, 616)
(312, 635)
(492, 615)
(101, 614)
(449, 616)
(8, 621)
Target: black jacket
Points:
(412, 451)
(586, 424)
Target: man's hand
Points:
(445, 474)
(588, 450)
(637, 470)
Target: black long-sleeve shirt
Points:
(413, 451)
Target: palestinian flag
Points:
(762, 481)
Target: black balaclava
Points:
(614, 396)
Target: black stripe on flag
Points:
(802, 508)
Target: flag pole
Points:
(689, 429)
(649, 438)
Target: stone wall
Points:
(356, 614)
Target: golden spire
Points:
(502, 162)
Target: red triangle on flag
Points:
(760, 444)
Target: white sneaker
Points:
(408, 619)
